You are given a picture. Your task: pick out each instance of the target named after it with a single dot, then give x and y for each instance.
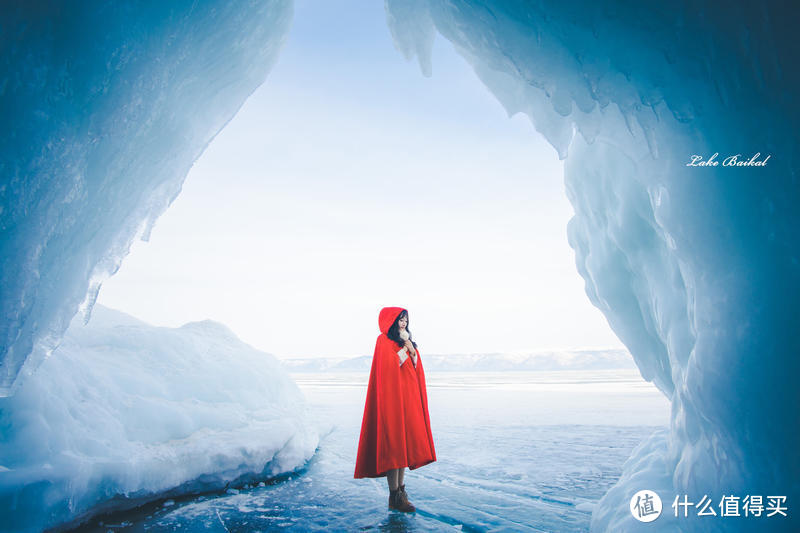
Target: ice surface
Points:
(520, 455)
(695, 268)
(125, 408)
(106, 108)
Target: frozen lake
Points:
(516, 451)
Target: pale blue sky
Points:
(349, 182)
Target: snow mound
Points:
(125, 409)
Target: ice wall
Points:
(106, 105)
(125, 409)
(696, 268)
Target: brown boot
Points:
(402, 500)
(393, 498)
(399, 502)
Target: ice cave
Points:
(696, 267)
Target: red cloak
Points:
(396, 428)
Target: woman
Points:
(396, 428)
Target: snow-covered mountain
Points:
(488, 362)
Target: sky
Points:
(349, 182)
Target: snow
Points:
(125, 408)
(696, 269)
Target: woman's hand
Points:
(410, 347)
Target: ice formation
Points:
(122, 408)
(106, 107)
(696, 268)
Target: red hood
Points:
(387, 317)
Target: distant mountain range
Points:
(482, 362)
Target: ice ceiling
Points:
(107, 105)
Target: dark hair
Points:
(394, 331)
